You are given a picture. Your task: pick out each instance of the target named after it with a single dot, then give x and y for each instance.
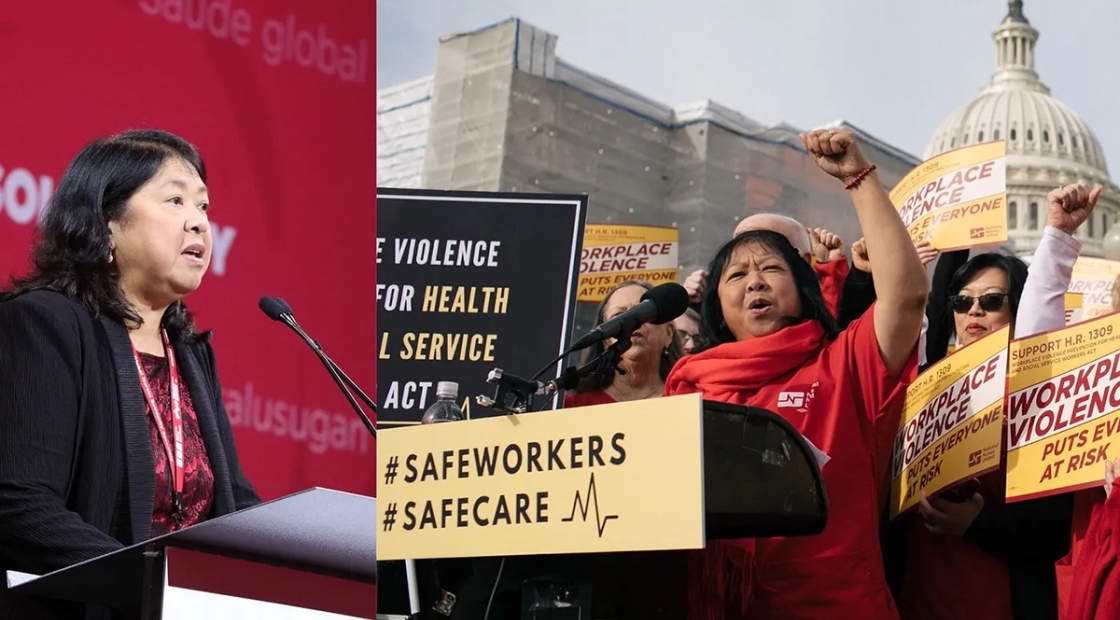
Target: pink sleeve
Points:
(1043, 304)
(832, 275)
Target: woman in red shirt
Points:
(769, 336)
(1088, 582)
(652, 354)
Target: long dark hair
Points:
(1013, 267)
(71, 253)
(713, 327)
(603, 381)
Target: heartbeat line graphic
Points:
(585, 506)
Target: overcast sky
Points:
(895, 68)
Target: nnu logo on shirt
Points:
(797, 397)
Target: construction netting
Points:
(503, 113)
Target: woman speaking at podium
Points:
(770, 342)
(112, 427)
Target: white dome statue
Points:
(1048, 144)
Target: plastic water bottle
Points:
(445, 409)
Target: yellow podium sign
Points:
(621, 477)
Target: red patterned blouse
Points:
(198, 484)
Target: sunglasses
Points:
(989, 302)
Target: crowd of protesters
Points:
(779, 307)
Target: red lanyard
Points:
(174, 456)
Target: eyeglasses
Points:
(685, 336)
(989, 302)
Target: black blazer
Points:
(77, 475)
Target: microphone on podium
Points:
(278, 310)
(658, 305)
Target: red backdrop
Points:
(280, 97)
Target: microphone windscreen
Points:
(569, 379)
(271, 307)
(670, 299)
(284, 305)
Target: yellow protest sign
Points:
(958, 199)
(613, 254)
(1063, 408)
(620, 477)
(952, 422)
(1075, 308)
(1093, 278)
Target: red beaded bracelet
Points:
(859, 177)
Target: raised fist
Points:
(1070, 205)
(926, 253)
(827, 246)
(860, 259)
(836, 152)
(696, 283)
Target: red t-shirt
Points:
(586, 399)
(1092, 591)
(198, 483)
(1087, 507)
(832, 275)
(848, 405)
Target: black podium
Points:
(311, 555)
(761, 479)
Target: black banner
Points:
(468, 282)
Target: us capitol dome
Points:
(1048, 144)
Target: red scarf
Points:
(733, 373)
(832, 274)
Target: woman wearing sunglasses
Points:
(984, 295)
(967, 554)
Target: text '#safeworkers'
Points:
(508, 508)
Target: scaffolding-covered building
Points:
(503, 113)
